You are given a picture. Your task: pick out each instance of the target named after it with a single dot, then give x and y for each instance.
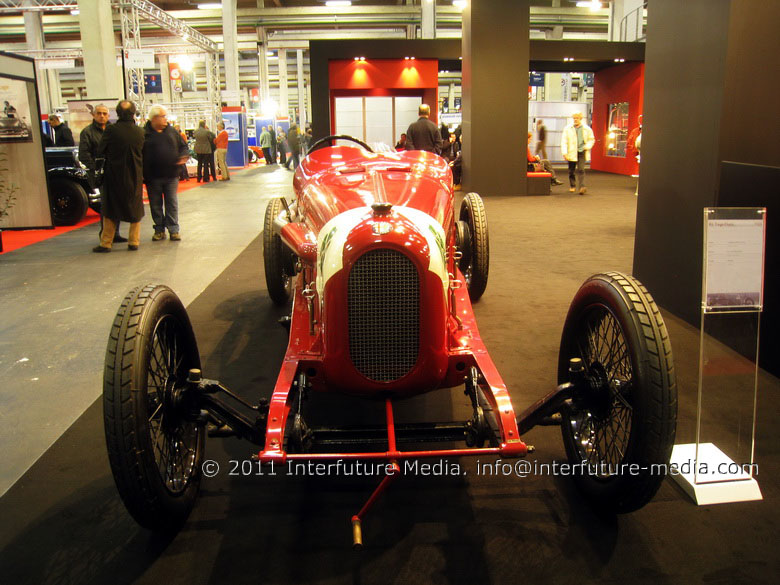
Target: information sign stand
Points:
(732, 301)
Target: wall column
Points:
(495, 55)
(705, 67)
(165, 79)
(230, 49)
(262, 67)
(284, 104)
(616, 13)
(428, 19)
(302, 117)
(33, 32)
(55, 91)
(104, 78)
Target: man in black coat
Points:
(62, 134)
(274, 151)
(164, 150)
(88, 145)
(423, 134)
(122, 146)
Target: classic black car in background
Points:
(70, 192)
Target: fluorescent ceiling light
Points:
(338, 3)
(592, 4)
(75, 12)
(210, 6)
(461, 4)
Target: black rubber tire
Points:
(151, 336)
(615, 327)
(68, 201)
(475, 266)
(277, 259)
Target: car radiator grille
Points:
(384, 315)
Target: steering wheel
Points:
(329, 140)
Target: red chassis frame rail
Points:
(466, 350)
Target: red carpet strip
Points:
(15, 239)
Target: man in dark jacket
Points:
(203, 141)
(88, 145)
(121, 146)
(62, 134)
(274, 145)
(294, 142)
(164, 151)
(423, 134)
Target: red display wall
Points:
(621, 83)
(385, 77)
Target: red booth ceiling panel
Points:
(384, 73)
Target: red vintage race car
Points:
(382, 273)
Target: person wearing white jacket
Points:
(576, 142)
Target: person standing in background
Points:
(184, 174)
(444, 130)
(281, 145)
(212, 156)
(576, 143)
(423, 134)
(541, 140)
(306, 142)
(164, 151)
(88, 145)
(265, 144)
(533, 160)
(203, 138)
(221, 142)
(294, 143)
(274, 152)
(62, 134)
(121, 145)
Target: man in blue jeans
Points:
(164, 151)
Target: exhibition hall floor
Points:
(63, 521)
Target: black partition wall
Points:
(711, 90)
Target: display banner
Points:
(152, 83)
(536, 79)
(139, 58)
(734, 258)
(188, 81)
(56, 63)
(174, 72)
(232, 126)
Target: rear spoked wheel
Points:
(155, 443)
(619, 427)
(473, 244)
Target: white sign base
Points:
(720, 483)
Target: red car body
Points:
(412, 223)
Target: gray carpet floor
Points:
(64, 523)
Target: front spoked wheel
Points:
(619, 427)
(278, 260)
(155, 444)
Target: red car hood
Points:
(333, 180)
